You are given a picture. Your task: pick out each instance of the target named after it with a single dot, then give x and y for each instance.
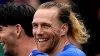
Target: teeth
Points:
(1, 43)
(42, 40)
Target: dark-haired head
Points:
(18, 14)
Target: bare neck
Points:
(25, 46)
(59, 48)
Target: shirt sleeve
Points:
(37, 53)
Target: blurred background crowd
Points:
(90, 13)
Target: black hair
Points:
(18, 14)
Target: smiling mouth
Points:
(2, 43)
(42, 40)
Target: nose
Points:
(39, 31)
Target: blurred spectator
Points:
(33, 3)
(98, 54)
(2, 1)
(63, 1)
(99, 13)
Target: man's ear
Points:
(64, 29)
(18, 30)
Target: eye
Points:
(46, 26)
(35, 25)
(0, 29)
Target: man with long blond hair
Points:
(53, 26)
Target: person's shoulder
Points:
(70, 54)
(34, 52)
(37, 53)
(71, 51)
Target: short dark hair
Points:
(18, 14)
